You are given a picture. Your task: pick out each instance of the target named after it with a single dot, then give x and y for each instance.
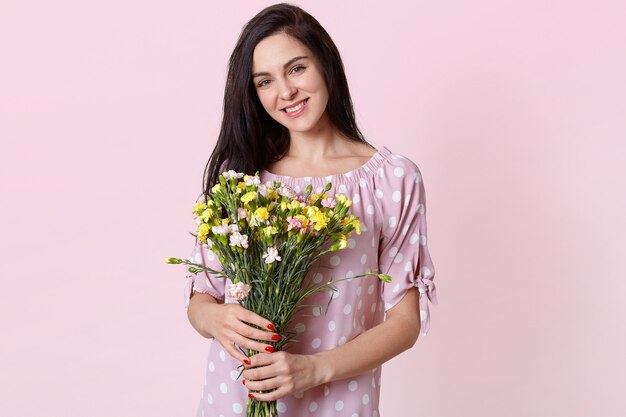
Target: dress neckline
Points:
(352, 176)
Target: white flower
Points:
(242, 213)
(271, 255)
(253, 180)
(286, 192)
(237, 239)
(231, 174)
(221, 230)
(262, 189)
(239, 291)
(232, 228)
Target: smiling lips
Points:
(297, 109)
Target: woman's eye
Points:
(262, 83)
(298, 68)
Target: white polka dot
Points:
(329, 177)
(333, 293)
(398, 172)
(297, 188)
(317, 278)
(210, 255)
(399, 257)
(281, 407)
(354, 415)
(353, 385)
(407, 200)
(362, 182)
(234, 375)
(374, 307)
(316, 343)
(211, 367)
(326, 390)
(347, 309)
(370, 209)
(414, 238)
(335, 260)
(370, 289)
(319, 190)
(373, 382)
(405, 229)
(341, 341)
(349, 275)
(396, 196)
(298, 395)
(307, 179)
(359, 289)
(393, 251)
(351, 243)
(342, 189)
(393, 221)
(381, 173)
(359, 305)
(363, 259)
(331, 325)
(408, 267)
(379, 193)
(423, 240)
(209, 398)
(356, 199)
(362, 320)
(300, 328)
(421, 208)
(198, 258)
(317, 311)
(426, 272)
(418, 177)
(223, 388)
(222, 355)
(365, 399)
(312, 406)
(339, 405)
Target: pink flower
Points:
(329, 202)
(294, 223)
(238, 291)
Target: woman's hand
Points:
(285, 372)
(229, 324)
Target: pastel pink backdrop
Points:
(514, 112)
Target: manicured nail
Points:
(271, 327)
(276, 337)
(269, 349)
(250, 396)
(244, 382)
(246, 361)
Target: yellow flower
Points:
(270, 231)
(248, 197)
(342, 243)
(203, 231)
(206, 215)
(261, 213)
(357, 225)
(241, 185)
(319, 221)
(343, 199)
(310, 211)
(198, 208)
(216, 188)
(294, 205)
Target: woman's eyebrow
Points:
(291, 61)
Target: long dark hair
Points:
(249, 139)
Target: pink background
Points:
(513, 110)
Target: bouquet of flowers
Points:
(266, 238)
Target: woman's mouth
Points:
(297, 109)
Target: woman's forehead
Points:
(276, 50)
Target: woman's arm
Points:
(290, 373)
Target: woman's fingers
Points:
(236, 330)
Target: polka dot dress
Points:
(389, 197)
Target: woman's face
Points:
(289, 83)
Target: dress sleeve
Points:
(203, 281)
(403, 250)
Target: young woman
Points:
(288, 114)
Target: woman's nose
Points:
(287, 91)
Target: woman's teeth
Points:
(295, 108)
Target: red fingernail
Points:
(250, 396)
(276, 337)
(271, 327)
(247, 362)
(244, 382)
(269, 348)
